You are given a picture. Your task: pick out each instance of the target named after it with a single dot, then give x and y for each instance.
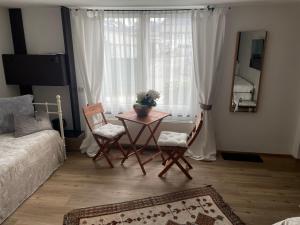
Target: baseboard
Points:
(261, 154)
(153, 147)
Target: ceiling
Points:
(135, 3)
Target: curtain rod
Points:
(150, 8)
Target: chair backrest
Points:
(196, 130)
(94, 115)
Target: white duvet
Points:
(242, 85)
(25, 164)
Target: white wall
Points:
(6, 47)
(44, 35)
(272, 128)
(296, 140)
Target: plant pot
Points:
(142, 110)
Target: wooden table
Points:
(153, 117)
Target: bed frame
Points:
(58, 112)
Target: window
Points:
(148, 50)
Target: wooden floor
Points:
(260, 193)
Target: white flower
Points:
(140, 96)
(153, 94)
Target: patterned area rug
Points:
(199, 206)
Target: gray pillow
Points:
(27, 124)
(9, 106)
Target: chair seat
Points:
(109, 130)
(169, 138)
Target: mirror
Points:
(248, 67)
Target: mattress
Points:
(25, 164)
(242, 85)
(242, 96)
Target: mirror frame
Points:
(238, 35)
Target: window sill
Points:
(176, 120)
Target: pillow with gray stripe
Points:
(9, 106)
(27, 124)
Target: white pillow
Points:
(169, 138)
(27, 124)
(109, 130)
(9, 106)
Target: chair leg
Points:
(181, 167)
(186, 162)
(104, 151)
(183, 170)
(173, 159)
(98, 154)
(168, 165)
(121, 149)
(167, 159)
(125, 156)
(162, 158)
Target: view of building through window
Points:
(148, 50)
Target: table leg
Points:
(139, 134)
(158, 148)
(133, 146)
(128, 153)
(152, 132)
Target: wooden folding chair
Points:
(176, 148)
(104, 133)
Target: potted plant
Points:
(145, 101)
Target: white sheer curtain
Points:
(119, 53)
(208, 37)
(148, 50)
(169, 59)
(123, 60)
(87, 33)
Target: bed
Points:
(243, 90)
(26, 163)
(241, 85)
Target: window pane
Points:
(171, 60)
(148, 50)
(121, 36)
